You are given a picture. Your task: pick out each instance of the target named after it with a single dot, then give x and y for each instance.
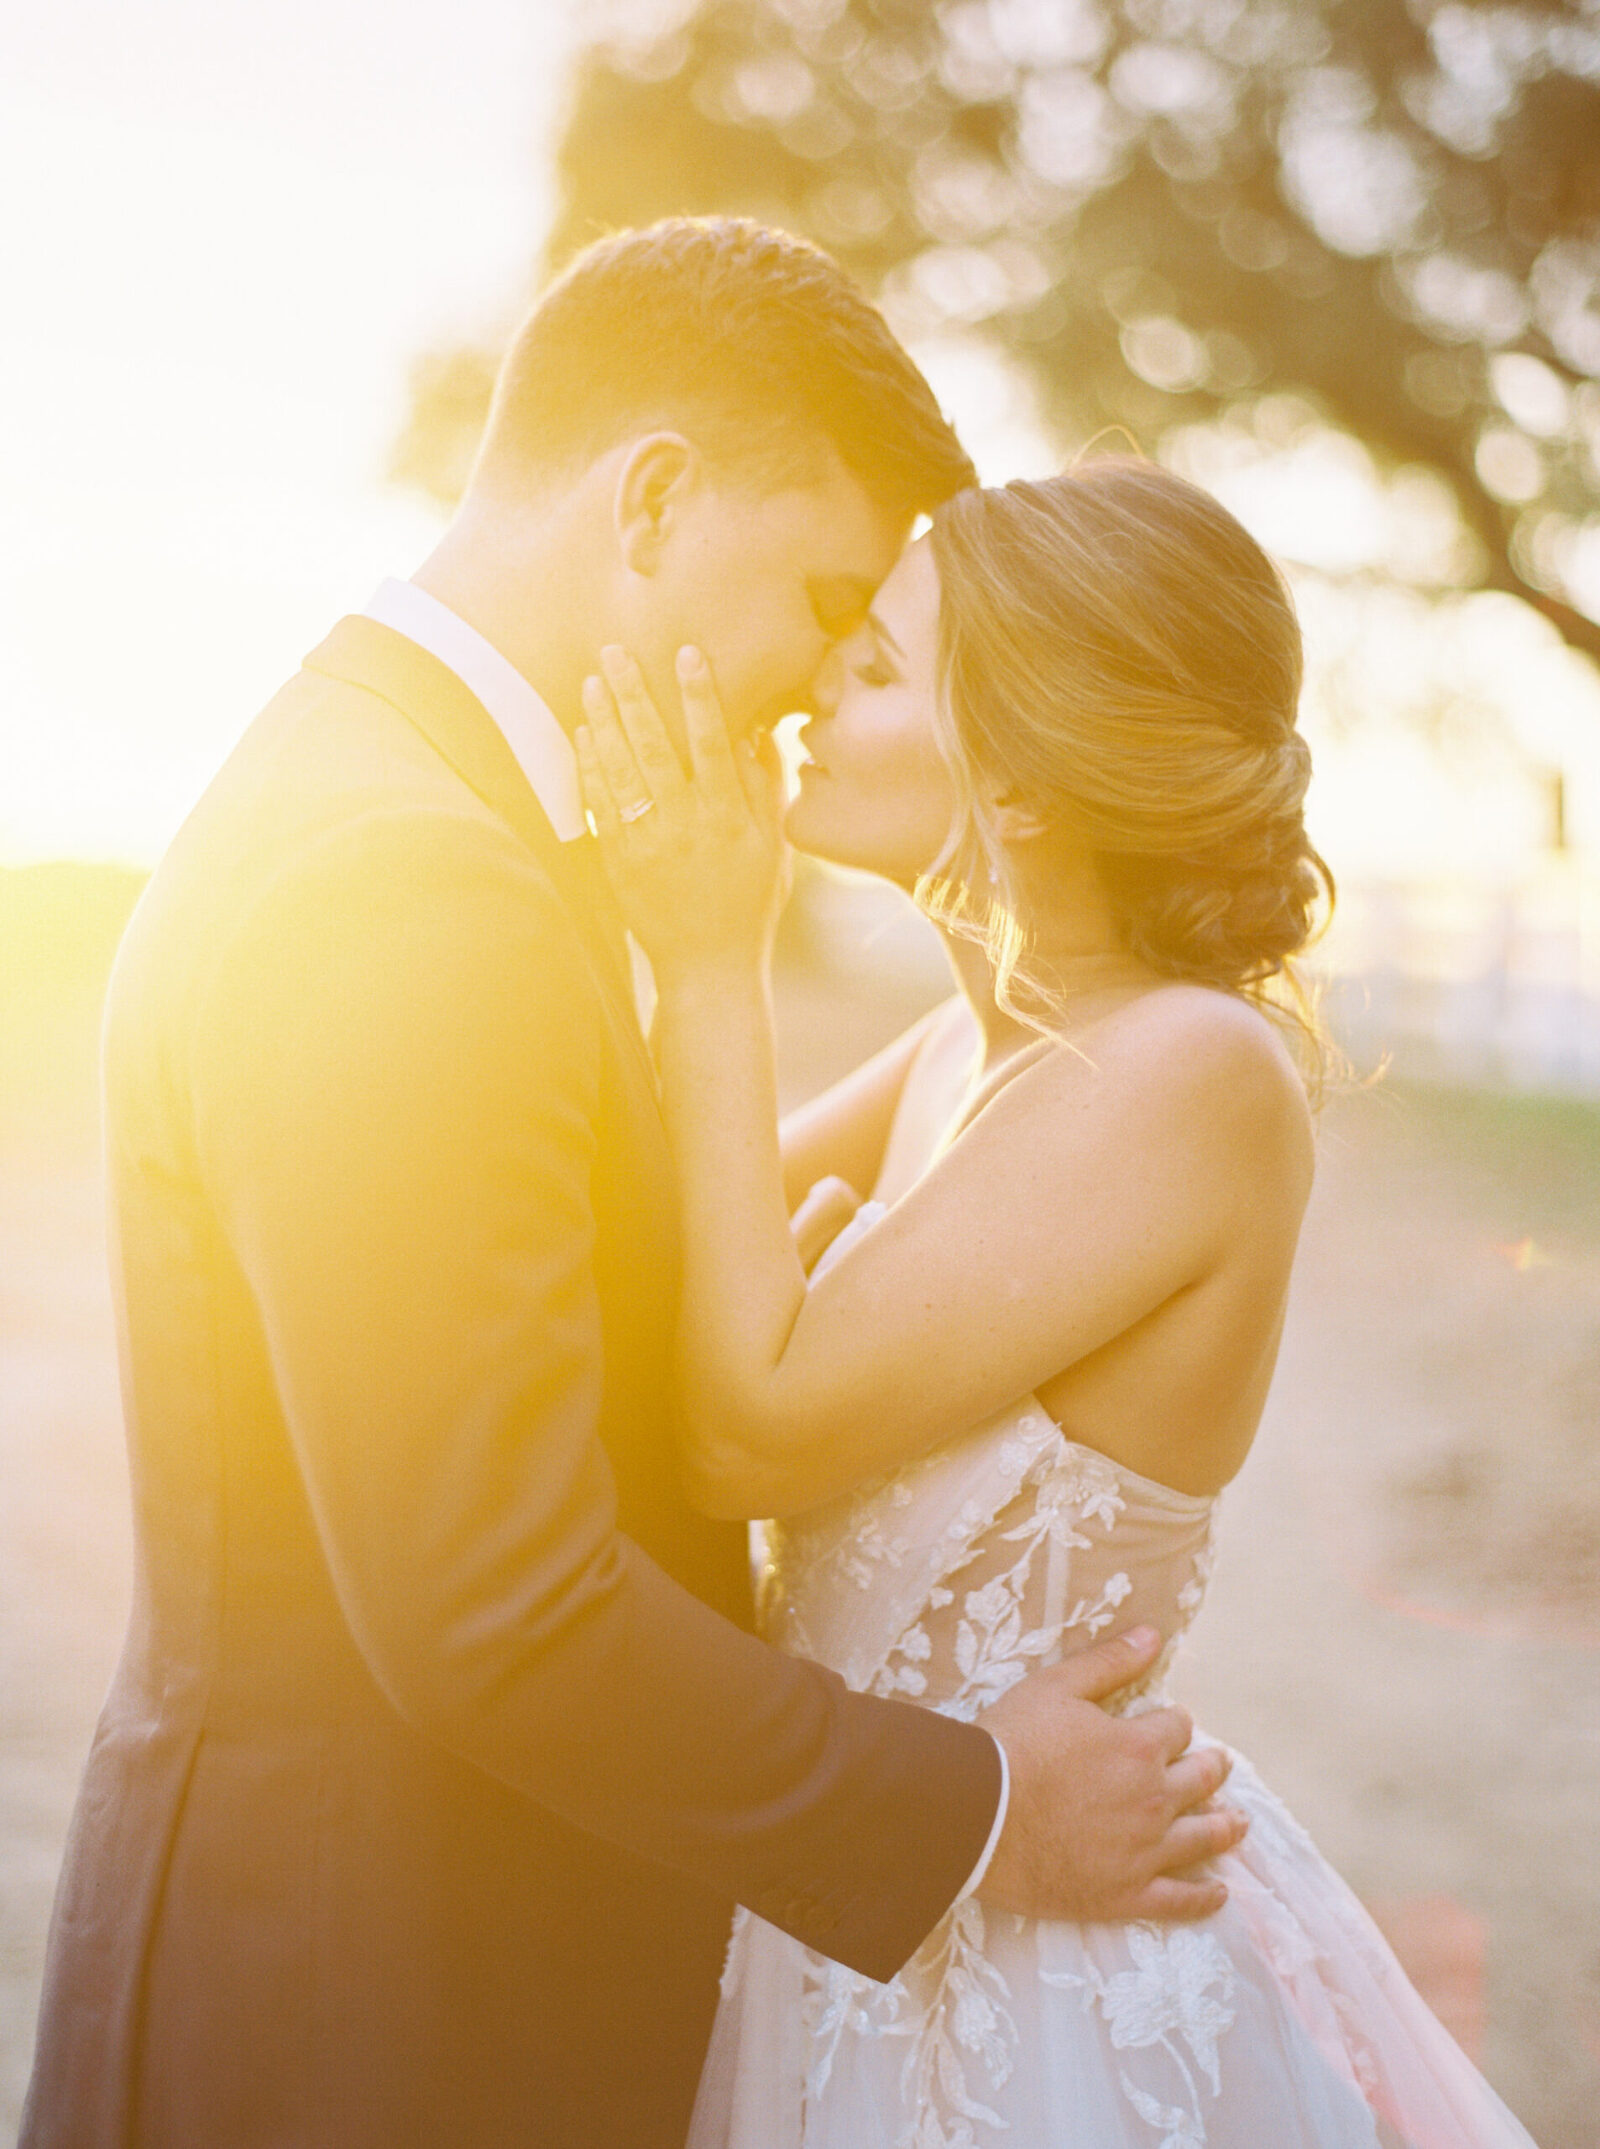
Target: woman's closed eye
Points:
(873, 672)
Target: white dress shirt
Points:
(544, 753)
(546, 757)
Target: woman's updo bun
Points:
(1119, 654)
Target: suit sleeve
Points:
(395, 1073)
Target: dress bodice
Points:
(946, 1579)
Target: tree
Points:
(1163, 209)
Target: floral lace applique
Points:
(1147, 1693)
(1192, 1594)
(1013, 1565)
(838, 2000)
(1167, 1995)
(914, 1649)
(992, 1645)
(949, 2003)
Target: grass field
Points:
(1404, 1632)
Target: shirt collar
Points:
(543, 751)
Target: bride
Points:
(996, 1419)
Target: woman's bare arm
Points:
(1088, 1192)
(842, 1133)
(1084, 1196)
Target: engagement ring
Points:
(635, 812)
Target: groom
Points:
(440, 1748)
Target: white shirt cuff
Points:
(975, 1877)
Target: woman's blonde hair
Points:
(1119, 655)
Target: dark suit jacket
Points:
(436, 1754)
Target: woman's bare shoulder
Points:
(1213, 1033)
(1183, 1060)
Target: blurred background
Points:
(1338, 260)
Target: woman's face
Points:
(876, 792)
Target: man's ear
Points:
(655, 476)
(1017, 822)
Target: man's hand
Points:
(1107, 1813)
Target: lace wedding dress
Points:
(1283, 2023)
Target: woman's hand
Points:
(822, 1215)
(697, 861)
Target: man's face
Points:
(766, 583)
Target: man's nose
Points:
(825, 687)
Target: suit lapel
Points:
(462, 732)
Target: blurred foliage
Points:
(1170, 211)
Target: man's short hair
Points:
(750, 341)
